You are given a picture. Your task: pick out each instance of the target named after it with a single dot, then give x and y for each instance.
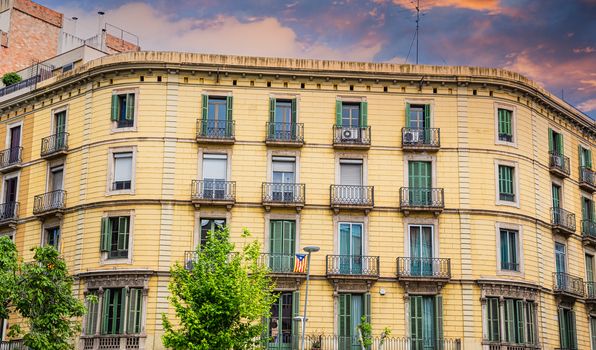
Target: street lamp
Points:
(309, 249)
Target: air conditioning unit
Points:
(349, 134)
(412, 136)
(558, 161)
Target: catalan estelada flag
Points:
(300, 263)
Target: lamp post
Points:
(309, 249)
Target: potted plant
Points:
(11, 78)
(317, 340)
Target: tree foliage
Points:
(221, 300)
(8, 275)
(11, 78)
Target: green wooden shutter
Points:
(439, 321)
(589, 271)
(106, 235)
(551, 141)
(416, 322)
(265, 330)
(344, 315)
(123, 295)
(115, 108)
(204, 106)
(510, 320)
(296, 324)
(367, 306)
(363, 114)
(572, 330)
(272, 109)
(580, 153)
(593, 331)
(589, 159)
(229, 101)
(91, 323)
(494, 324)
(562, 329)
(294, 107)
(123, 229)
(60, 122)
(520, 336)
(130, 106)
(105, 311)
(530, 328)
(135, 305)
(561, 144)
(407, 115)
(338, 118)
(427, 116)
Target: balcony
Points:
(9, 214)
(352, 273)
(563, 221)
(417, 139)
(283, 271)
(568, 286)
(589, 233)
(336, 342)
(50, 203)
(213, 193)
(283, 195)
(352, 197)
(54, 145)
(13, 345)
(10, 159)
(190, 256)
(413, 199)
(587, 182)
(423, 275)
(285, 134)
(112, 341)
(505, 346)
(348, 137)
(215, 131)
(558, 164)
(591, 295)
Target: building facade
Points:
(453, 205)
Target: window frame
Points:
(513, 109)
(7, 138)
(104, 256)
(498, 163)
(355, 156)
(48, 224)
(112, 167)
(114, 124)
(269, 216)
(8, 176)
(65, 109)
(519, 249)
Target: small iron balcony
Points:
(10, 159)
(215, 131)
(285, 134)
(587, 181)
(190, 256)
(353, 265)
(563, 221)
(559, 164)
(54, 145)
(283, 195)
(568, 285)
(9, 213)
(419, 139)
(49, 203)
(213, 192)
(351, 137)
(279, 264)
(589, 232)
(412, 199)
(591, 292)
(414, 268)
(352, 197)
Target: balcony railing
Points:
(586, 178)
(20, 85)
(418, 197)
(8, 211)
(49, 201)
(10, 157)
(353, 265)
(351, 136)
(213, 190)
(559, 164)
(505, 346)
(349, 195)
(414, 138)
(54, 144)
(569, 284)
(190, 256)
(208, 129)
(430, 268)
(285, 132)
(279, 263)
(591, 291)
(563, 219)
(283, 193)
(336, 342)
(589, 229)
(13, 345)
(113, 341)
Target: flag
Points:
(300, 263)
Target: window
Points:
(351, 248)
(419, 183)
(567, 334)
(114, 236)
(585, 157)
(350, 172)
(505, 124)
(123, 110)
(351, 309)
(519, 322)
(9, 209)
(283, 178)
(120, 315)
(52, 237)
(593, 331)
(556, 193)
(282, 245)
(67, 67)
(14, 145)
(509, 242)
(60, 128)
(282, 118)
(122, 171)
(426, 322)
(282, 326)
(210, 225)
(56, 178)
(555, 142)
(421, 250)
(351, 114)
(215, 176)
(216, 116)
(590, 277)
(560, 258)
(417, 116)
(506, 185)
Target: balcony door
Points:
(350, 177)
(350, 248)
(281, 323)
(350, 115)
(590, 277)
(284, 178)
(56, 180)
(283, 119)
(216, 115)
(215, 169)
(561, 265)
(282, 245)
(420, 183)
(14, 144)
(60, 129)
(10, 197)
(426, 322)
(351, 310)
(421, 250)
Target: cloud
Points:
(493, 6)
(587, 49)
(588, 105)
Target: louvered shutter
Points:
(416, 322)
(135, 305)
(338, 108)
(105, 311)
(562, 330)
(427, 116)
(123, 229)
(123, 295)
(551, 141)
(363, 114)
(115, 108)
(106, 235)
(572, 330)
(229, 127)
(520, 336)
(439, 321)
(407, 115)
(296, 324)
(271, 117)
(367, 306)
(130, 107)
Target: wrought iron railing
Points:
(337, 342)
(54, 143)
(505, 346)
(424, 267)
(421, 197)
(563, 218)
(591, 290)
(10, 156)
(20, 85)
(564, 282)
(345, 135)
(13, 345)
(589, 228)
(285, 132)
(49, 201)
(190, 256)
(420, 137)
(283, 193)
(279, 263)
(215, 129)
(352, 195)
(214, 190)
(586, 175)
(9, 211)
(358, 265)
(559, 162)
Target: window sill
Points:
(120, 192)
(116, 261)
(511, 273)
(506, 143)
(507, 203)
(129, 129)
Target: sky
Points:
(552, 42)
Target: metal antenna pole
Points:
(417, 26)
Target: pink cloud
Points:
(588, 105)
(587, 49)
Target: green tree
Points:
(8, 275)
(221, 300)
(11, 78)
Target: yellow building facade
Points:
(451, 204)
